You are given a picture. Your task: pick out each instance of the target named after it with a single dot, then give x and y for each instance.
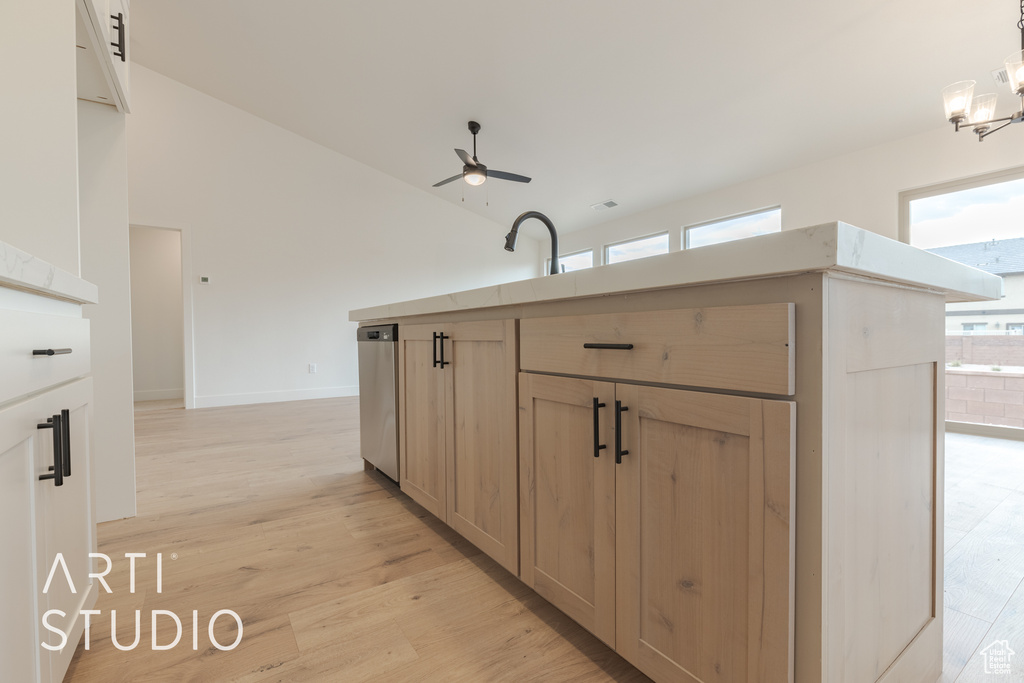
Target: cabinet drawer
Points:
(744, 348)
(24, 332)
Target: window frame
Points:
(684, 235)
(908, 196)
(607, 247)
(547, 260)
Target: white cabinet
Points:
(43, 520)
(104, 60)
(46, 487)
(117, 25)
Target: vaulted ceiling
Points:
(642, 102)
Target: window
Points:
(977, 222)
(571, 262)
(634, 249)
(736, 228)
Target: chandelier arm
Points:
(982, 136)
(1008, 119)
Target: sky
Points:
(976, 215)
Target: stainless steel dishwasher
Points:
(378, 394)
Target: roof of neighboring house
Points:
(999, 257)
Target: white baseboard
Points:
(274, 396)
(158, 394)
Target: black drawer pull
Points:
(57, 474)
(65, 432)
(619, 410)
(622, 347)
(598, 447)
(50, 352)
(119, 27)
(441, 337)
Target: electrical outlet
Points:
(312, 368)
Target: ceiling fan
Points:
(476, 173)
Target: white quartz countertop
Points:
(835, 247)
(21, 270)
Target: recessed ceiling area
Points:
(648, 101)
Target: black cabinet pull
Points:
(621, 347)
(54, 423)
(441, 338)
(50, 352)
(435, 349)
(65, 432)
(598, 447)
(619, 410)
(119, 27)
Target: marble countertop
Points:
(837, 247)
(20, 270)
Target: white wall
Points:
(157, 315)
(38, 131)
(861, 188)
(292, 235)
(103, 162)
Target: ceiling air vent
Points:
(601, 206)
(1000, 77)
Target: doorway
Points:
(158, 330)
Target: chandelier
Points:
(964, 109)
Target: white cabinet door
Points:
(119, 62)
(41, 520)
(18, 628)
(66, 523)
(107, 24)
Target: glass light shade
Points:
(957, 99)
(984, 108)
(474, 176)
(1015, 70)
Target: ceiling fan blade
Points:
(447, 180)
(503, 175)
(466, 159)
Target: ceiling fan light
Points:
(474, 176)
(1015, 70)
(956, 99)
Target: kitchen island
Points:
(724, 462)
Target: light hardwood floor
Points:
(984, 591)
(266, 510)
(337, 576)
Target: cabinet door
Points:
(481, 441)
(41, 520)
(120, 66)
(19, 646)
(567, 493)
(66, 524)
(421, 391)
(705, 541)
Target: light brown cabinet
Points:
(842, 322)
(567, 507)
(680, 554)
(457, 442)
